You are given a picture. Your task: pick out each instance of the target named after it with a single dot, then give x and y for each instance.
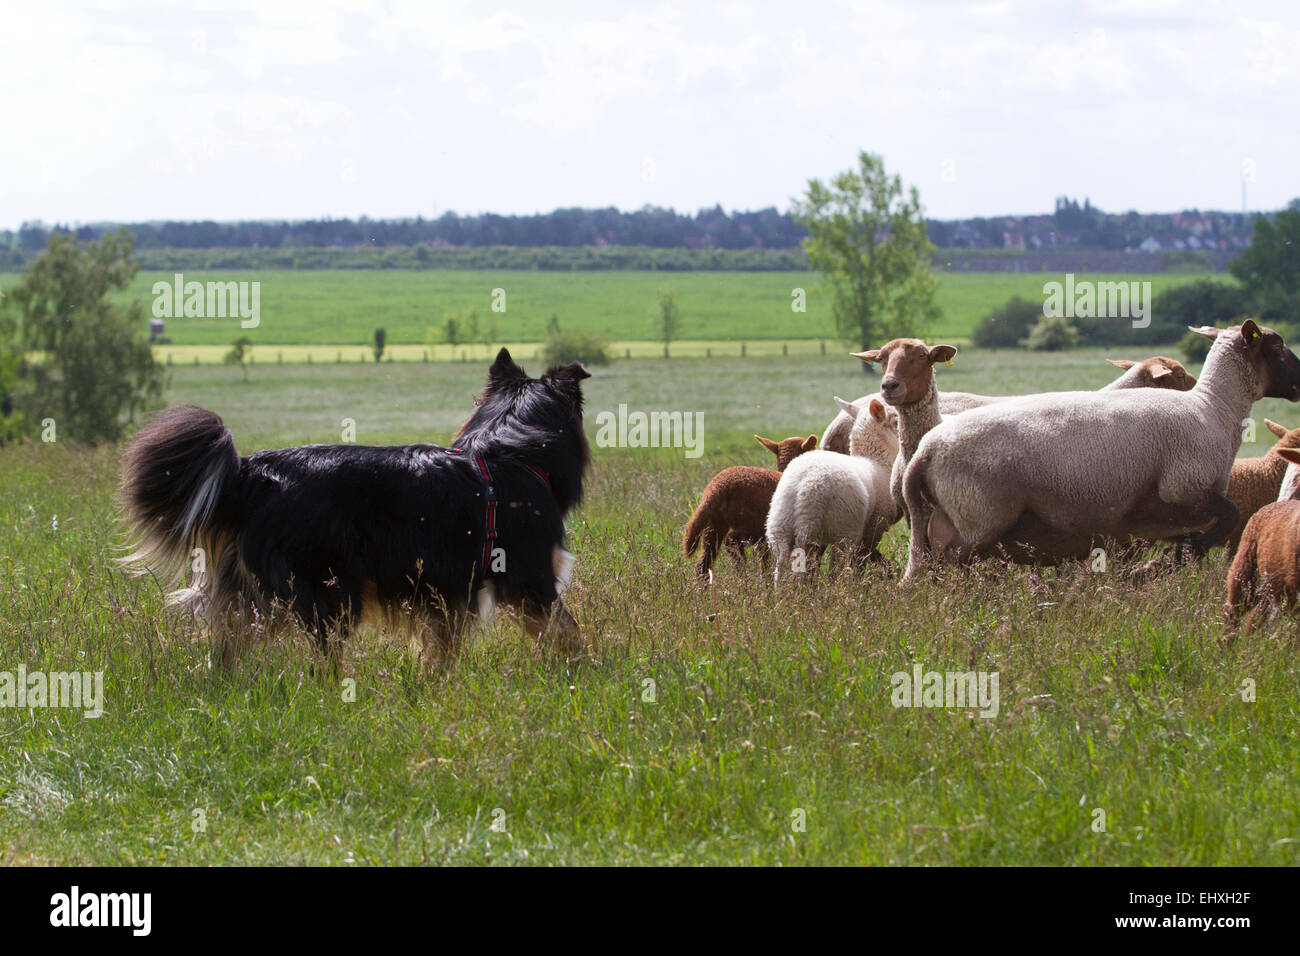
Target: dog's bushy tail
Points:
(175, 473)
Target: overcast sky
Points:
(132, 111)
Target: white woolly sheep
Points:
(1046, 477)
(828, 500)
(1155, 372)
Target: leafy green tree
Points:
(93, 371)
(381, 339)
(240, 351)
(11, 419)
(667, 318)
(1271, 264)
(867, 238)
(450, 332)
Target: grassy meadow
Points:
(737, 724)
(326, 310)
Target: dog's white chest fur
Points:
(562, 563)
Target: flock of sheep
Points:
(1034, 479)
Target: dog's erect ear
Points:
(1125, 364)
(572, 373)
(504, 368)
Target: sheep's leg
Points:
(806, 559)
(1226, 515)
(1211, 506)
(736, 548)
(918, 517)
(708, 551)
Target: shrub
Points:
(1007, 326)
(1194, 346)
(588, 348)
(1051, 334)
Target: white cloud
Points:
(298, 108)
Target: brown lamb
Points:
(733, 509)
(1265, 575)
(1255, 482)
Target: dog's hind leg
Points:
(735, 546)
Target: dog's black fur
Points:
(332, 532)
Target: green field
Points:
(339, 308)
(767, 707)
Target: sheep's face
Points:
(908, 365)
(875, 434)
(1159, 371)
(788, 449)
(1277, 370)
(1163, 372)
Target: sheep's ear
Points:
(871, 357)
(1125, 364)
(1275, 428)
(1250, 332)
(1290, 454)
(1209, 331)
(877, 411)
(809, 443)
(848, 408)
(768, 444)
(1160, 371)
(942, 353)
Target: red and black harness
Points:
(486, 474)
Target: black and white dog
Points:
(335, 533)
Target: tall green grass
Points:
(703, 723)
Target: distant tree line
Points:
(1072, 224)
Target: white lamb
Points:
(828, 500)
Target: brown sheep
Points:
(1155, 372)
(733, 509)
(1266, 570)
(1255, 482)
